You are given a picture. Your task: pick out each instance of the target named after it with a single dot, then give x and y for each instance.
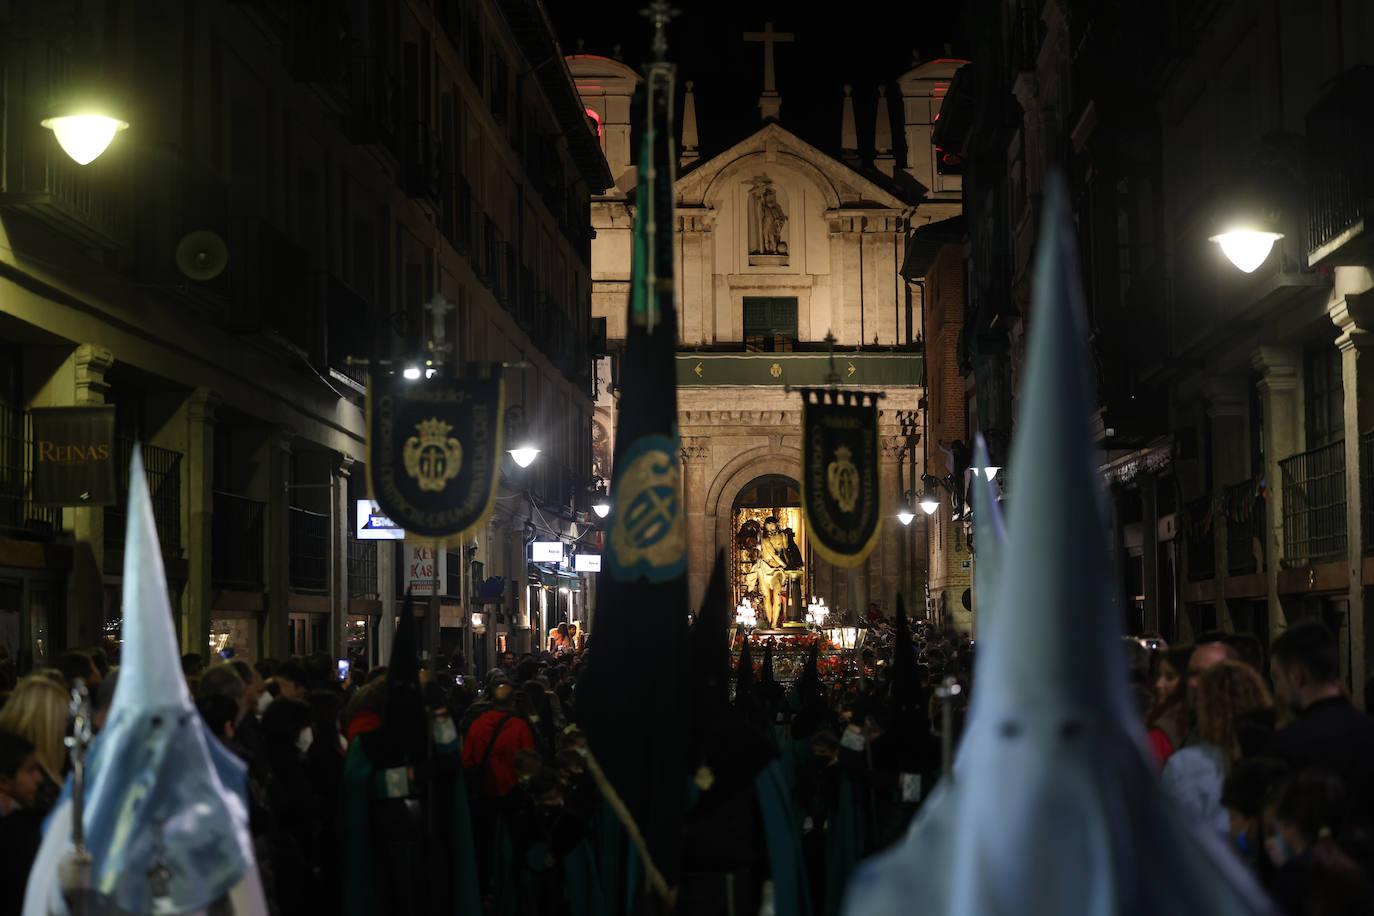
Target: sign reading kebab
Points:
(74, 456)
(434, 451)
(839, 481)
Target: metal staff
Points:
(74, 872)
(949, 689)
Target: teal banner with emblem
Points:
(839, 481)
(648, 531)
(434, 451)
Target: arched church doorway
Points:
(776, 497)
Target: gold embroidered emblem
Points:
(649, 529)
(842, 479)
(775, 370)
(433, 457)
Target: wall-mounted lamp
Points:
(1247, 247)
(525, 451)
(84, 136)
(601, 500)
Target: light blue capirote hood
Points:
(161, 792)
(1054, 806)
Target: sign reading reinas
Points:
(839, 481)
(434, 451)
(74, 456)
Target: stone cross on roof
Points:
(770, 103)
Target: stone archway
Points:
(717, 506)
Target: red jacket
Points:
(514, 736)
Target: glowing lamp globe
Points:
(1247, 248)
(524, 456)
(929, 504)
(84, 136)
(905, 516)
(602, 509)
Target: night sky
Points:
(832, 46)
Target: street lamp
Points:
(1247, 248)
(526, 451)
(929, 502)
(84, 136)
(601, 501)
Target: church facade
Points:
(788, 270)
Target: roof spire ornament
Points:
(883, 159)
(689, 129)
(849, 134)
(770, 103)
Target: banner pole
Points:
(432, 617)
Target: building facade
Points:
(1234, 441)
(297, 183)
(780, 246)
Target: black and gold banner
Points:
(434, 451)
(839, 481)
(74, 456)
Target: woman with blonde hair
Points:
(1194, 774)
(37, 712)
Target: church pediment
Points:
(838, 183)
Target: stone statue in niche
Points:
(767, 223)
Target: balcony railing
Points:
(1337, 169)
(1243, 504)
(1314, 505)
(1202, 559)
(238, 539)
(309, 561)
(162, 469)
(362, 569)
(19, 516)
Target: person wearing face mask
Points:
(1249, 786)
(407, 844)
(551, 869)
(1314, 874)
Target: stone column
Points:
(86, 591)
(1353, 315)
(892, 540)
(386, 591)
(1282, 405)
(701, 553)
(845, 292)
(1228, 409)
(198, 478)
(340, 523)
(276, 536)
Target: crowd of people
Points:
(1271, 757)
(348, 813)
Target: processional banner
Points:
(434, 450)
(839, 480)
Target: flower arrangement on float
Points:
(802, 640)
